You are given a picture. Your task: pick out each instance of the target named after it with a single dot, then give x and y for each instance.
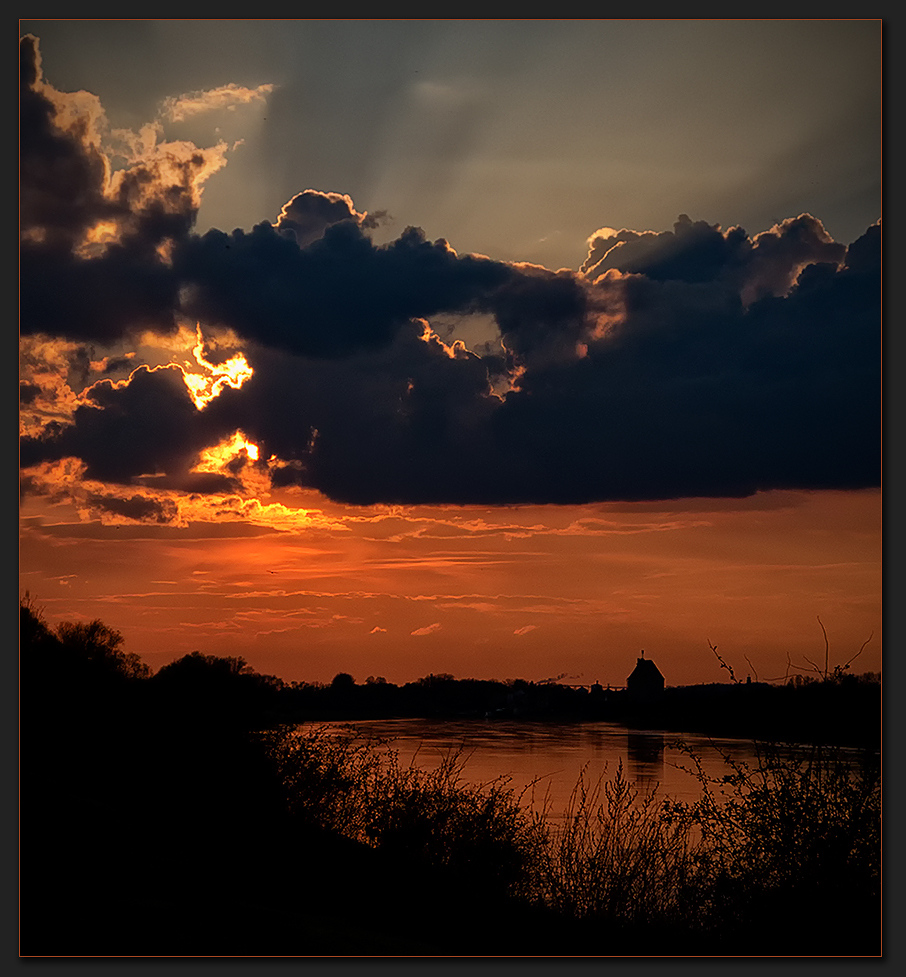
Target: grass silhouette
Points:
(757, 865)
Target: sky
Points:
(503, 349)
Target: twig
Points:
(814, 667)
(826, 649)
(859, 652)
(723, 664)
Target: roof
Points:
(645, 671)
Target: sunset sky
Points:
(497, 348)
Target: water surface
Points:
(544, 761)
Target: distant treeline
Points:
(845, 710)
(81, 659)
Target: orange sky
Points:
(527, 592)
(193, 401)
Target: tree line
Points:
(79, 661)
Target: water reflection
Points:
(544, 761)
(645, 753)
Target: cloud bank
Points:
(697, 362)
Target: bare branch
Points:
(859, 652)
(723, 664)
(826, 649)
(814, 666)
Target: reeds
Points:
(617, 855)
(782, 857)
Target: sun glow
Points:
(220, 455)
(98, 237)
(204, 387)
(63, 482)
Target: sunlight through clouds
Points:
(204, 387)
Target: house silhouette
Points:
(645, 684)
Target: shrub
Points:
(780, 858)
(473, 835)
(793, 844)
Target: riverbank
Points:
(845, 712)
(157, 819)
(840, 713)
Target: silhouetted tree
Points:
(100, 648)
(73, 667)
(205, 688)
(342, 682)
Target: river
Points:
(544, 761)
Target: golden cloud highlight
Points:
(63, 483)
(203, 388)
(178, 108)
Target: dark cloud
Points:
(693, 252)
(311, 212)
(414, 415)
(697, 252)
(101, 299)
(28, 392)
(690, 393)
(541, 315)
(689, 363)
(197, 483)
(125, 432)
(91, 251)
(340, 294)
(225, 529)
(116, 364)
(138, 508)
(61, 178)
(103, 257)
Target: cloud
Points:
(178, 108)
(685, 391)
(430, 629)
(147, 425)
(526, 629)
(94, 239)
(695, 251)
(340, 294)
(308, 215)
(696, 362)
(135, 508)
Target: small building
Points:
(645, 684)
